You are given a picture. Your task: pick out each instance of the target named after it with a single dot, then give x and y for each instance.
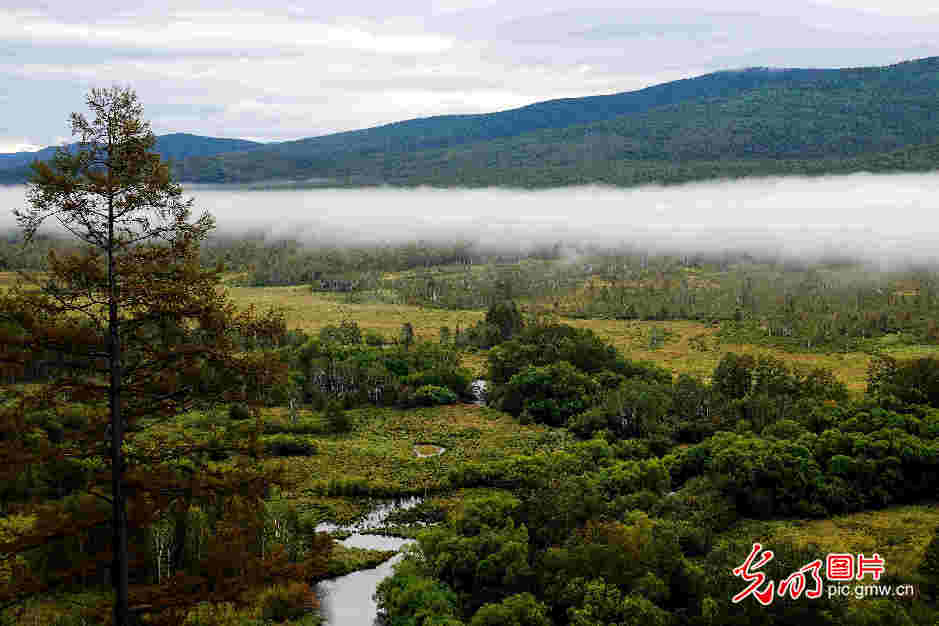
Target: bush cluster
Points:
(288, 445)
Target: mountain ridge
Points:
(175, 146)
(751, 113)
(758, 119)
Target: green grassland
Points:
(310, 311)
(898, 534)
(689, 347)
(379, 456)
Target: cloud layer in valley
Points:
(242, 69)
(889, 221)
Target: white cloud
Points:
(242, 68)
(221, 32)
(17, 145)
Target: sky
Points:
(242, 69)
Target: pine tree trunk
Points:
(119, 573)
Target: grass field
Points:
(381, 450)
(381, 453)
(688, 347)
(381, 447)
(694, 348)
(311, 311)
(898, 534)
(8, 279)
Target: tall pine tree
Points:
(117, 339)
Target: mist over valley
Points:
(888, 221)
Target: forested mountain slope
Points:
(752, 122)
(719, 123)
(14, 166)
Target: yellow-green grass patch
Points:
(689, 347)
(344, 560)
(682, 352)
(898, 534)
(28, 278)
(380, 449)
(310, 311)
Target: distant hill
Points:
(756, 121)
(175, 146)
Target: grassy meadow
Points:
(380, 454)
(898, 534)
(687, 347)
(310, 311)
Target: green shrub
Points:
(287, 602)
(733, 376)
(929, 567)
(410, 598)
(217, 450)
(374, 339)
(915, 381)
(841, 465)
(406, 335)
(456, 379)
(546, 344)
(634, 449)
(347, 332)
(551, 394)
(784, 429)
(637, 408)
(239, 412)
(337, 419)
(506, 317)
(432, 395)
(309, 425)
(288, 445)
(519, 610)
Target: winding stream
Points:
(347, 600)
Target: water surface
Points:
(348, 600)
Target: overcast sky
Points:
(240, 69)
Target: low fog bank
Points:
(887, 220)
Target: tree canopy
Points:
(116, 339)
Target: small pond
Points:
(424, 450)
